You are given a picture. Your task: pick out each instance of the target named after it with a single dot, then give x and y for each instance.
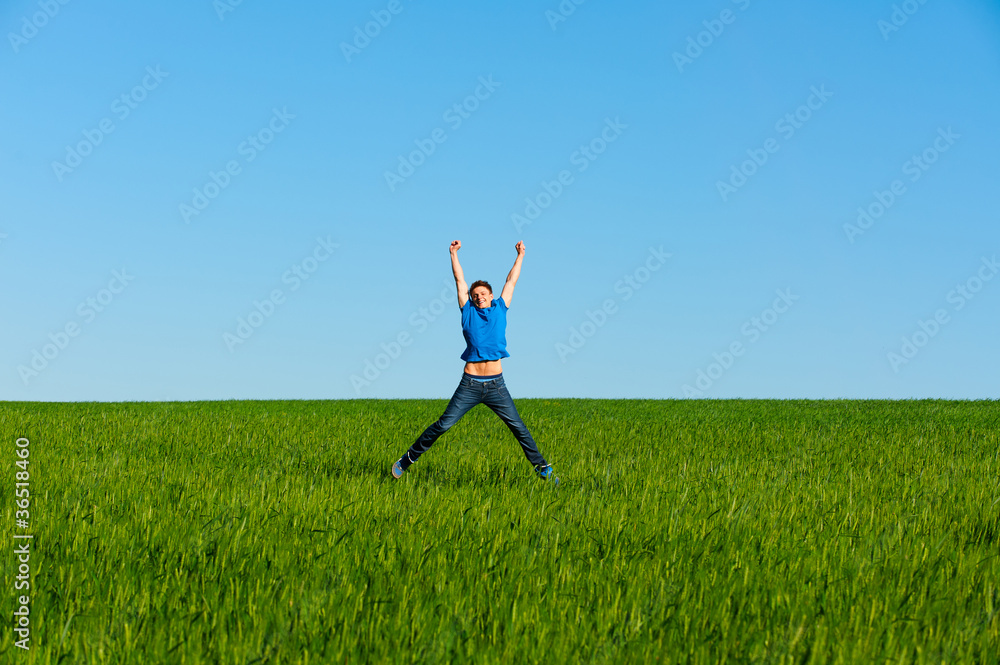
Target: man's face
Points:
(482, 297)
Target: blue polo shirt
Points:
(485, 331)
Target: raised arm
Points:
(456, 267)
(508, 287)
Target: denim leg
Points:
(467, 395)
(499, 400)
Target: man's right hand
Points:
(456, 267)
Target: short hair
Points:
(480, 282)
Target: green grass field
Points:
(681, 532)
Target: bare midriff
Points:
(483, 368)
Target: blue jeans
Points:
(492, 393)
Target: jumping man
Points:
(484, 324)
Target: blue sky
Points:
(168, 170)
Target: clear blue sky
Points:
(648, 111)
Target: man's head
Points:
(481, 294)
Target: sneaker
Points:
(397, 468)
(546, 473)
